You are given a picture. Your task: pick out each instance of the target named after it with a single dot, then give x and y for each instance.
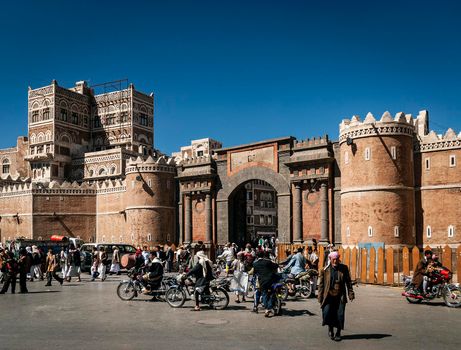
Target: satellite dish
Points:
(349, 141)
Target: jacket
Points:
(297, 264)
(344, 281)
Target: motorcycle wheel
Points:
(277, 307)
(251, 291)
(221, 299)
(175, 297)
(410, 299)
(306, 289)
(453, 298)
(284, 292)
(126, 291)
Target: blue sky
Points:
(240, 71)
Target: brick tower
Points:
(150, 200)
(377, 180)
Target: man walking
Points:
(51, 265)
(334, 287)
(10, 268)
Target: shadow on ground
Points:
(365, 336)
(294, 313)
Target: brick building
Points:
(88, 168)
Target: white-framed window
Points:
(261, 219)
(394, 152)
(452, 160)
(40, 238)
(269, 219)
(427, 163)
(149, 183)
(149, 237)
(367, 153)
(428, 232)
(120, 239)
(348, 231)
(346, 157)
(396, 231)
(249, 219)
(104, 239)
(370, 231)
(451, 231)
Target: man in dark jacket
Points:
(203, 273)
(154, 274)
(421, 270)
(266, 270)
(334, 287)
(24, 268)
(10, 269)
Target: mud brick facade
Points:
(88, 168)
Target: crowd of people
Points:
(260, 262)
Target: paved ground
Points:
(89, 315)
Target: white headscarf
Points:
(202, 260)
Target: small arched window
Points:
(451, 231)
(6, 166)
(428, 232)
(370, 231)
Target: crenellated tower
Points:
(377, 180)
(150, 200)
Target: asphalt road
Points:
(89, 315)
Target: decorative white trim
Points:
(367, 130)
(437, 146)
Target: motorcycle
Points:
(299, 285)
(439, 286)
(129, 289)
(217, 297)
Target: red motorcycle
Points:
(438, 286)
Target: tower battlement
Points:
(401, 124)
(312, 142)
(161, 164)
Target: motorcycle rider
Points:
(228, 255)
(266, 270)
(297, 264)
(154, 274)
(421, 271)
(203, 273)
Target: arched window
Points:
(451, 231)
(102, 171)
(428, 232)
(6, 166)
(370, 231)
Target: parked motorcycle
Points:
(217, 298)
(439, 286)
(129, 289)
